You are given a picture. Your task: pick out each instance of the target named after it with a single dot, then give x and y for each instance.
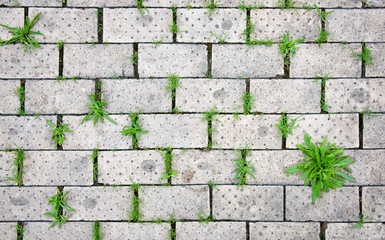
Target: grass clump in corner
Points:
(204, 219)
(17, 166)
(134, 130)
(58, 132)
(211, 5)
(23, 35)
(58, 203)
(322, 166)
(286, 126)
(97, 110)
(96, 231)
(140, 6)
(244, 167)
(135, 215)
(365, 55)
(287, 47)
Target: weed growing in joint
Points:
(134, 58)
(172, 84)
(134, 130)
(369, 113)
(287, 47)
(322, 166)
(361, 221)
(140, 6)
(93, 157)
(20, 93)
(248, 103)
(96, 231)
(254, 41)
(58, 203)
(324, 104)
(60, 44)
(285, 4)
(323, 34)
(174, 26)
(250, 28)
(168, 157)
(17, 166)
(365, 55)
(221, 38)
(97, 111)
(211, 5)
(156, 42)
(171, 221)
(285, 126)
(212, 185)
(322, 14)
(244, 167)
(204, 219)
(58, 132)
(208, 74)
(211, 116)
(19, 232)
(135, 215)
(23, 35)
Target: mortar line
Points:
(210, 133)
(323, 93)
(247, 230)
(64, 3)
(361, 130)
(95, 165)
(248, 21)
(61, 60)
(98, 89)
(61, 190)
(323, 227)
(209, 72)
(135, 56)
(283, 137)
(360, 198)
(284, 203)
(174, 20)
(363, 67)
(26, 12)
(100, 25)
(173, 228)
(211, 200)
(22, 98)
(59, 122)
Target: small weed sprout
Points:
(324, 103)
(248, 103)
(250, 28)
(19, 232)
(24, 35)
(360, 222)
(58, 132)
(322, 14)
(244, 7)
(212, 184)
(211, 116)
(20, 93)
(60, 44)
(134, 58)
(156, 42)
(134, 130)
(171, 221)
(135, 215)
(168, 157)
(174, 26)
(211, 5)
(97, 111)
(221, 38)
(93, 157)
(204, 219)
(172, 84)
(58, 203)
(17, 166)
(322, 166)
(244, 167)
(287, 47)
(323, 34)
(140, 6)
(96, 231)
(208, 74)
(365, 55)
(285, 4)
(369, 113)
(254, 41)
(285, 126)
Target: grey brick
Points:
(6, 160)
(128, 25)
(100, 60)
(201, 167)
(374, 132)
(367, 168)
(284, 230)
(8, 230)
(213, 230)
(341, 204)
(172, 130)
(12, 17)
(184, 201)
(9, 101)
(339, 128)
(25, 203)
(330, 3)
(26, 132)
(49, 96)
(101, 3)
(236, 60)
(333, 59)
(344, 231)
(32, 3)
(200, 95)
(197, 26)
(57, 168)
(253, 3)
(373, 203)
(177, 3)
(376, 3)
(377, 69)
(294, 95)
(248, 203)
(346, 95)
(144, 167)
(356, 25)
(99, 203)
(255, 131)
(87, 136)
(135, 231)
(136, 95)
(41, 63)
(75, 25)
(69, 230)
(272, 23)
(183, 60)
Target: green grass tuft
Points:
(58, 132)
(211, 116)
(59, 206)
(20, 93)
(285, 126)
(168, 157)
(17, 166)
(172, 84)
(134, 130)
(204, 219)
(287, 47)
(97, 111)
(135, 215)
(211, 5)
(365, 55)
(244, 167)
(285, 4)
(140, 6)
(96, 231)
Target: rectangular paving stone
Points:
(238, 60)
(332, 58)
(9, 101)
(210, 231)
(280, 95)
(58, 168)
(99, 203)
(25, 203)
(198, 26)
(374, 129)
(173, 130)
(27, 132)
(12, 17)
(183, 60)
(128, 25)
(344, 231)
(272, 23)
(356, 25)
(75, 25)
(40, 63)
(367, 166)
(341, 204)
(101, 3)
(284, 230)
(184, 201)
(8, 230)
(6, 160)
(32, 3)
(134, 231)
(100, 60)
(378, 52)
(347, 95)
(248, 203)
(104, 135)
(330, 3)
(200, 95)
(69, 230)
(376, 3)
(254, 131)
(202, 167)
(341, 129)
(136, 95)
(51, 96)
(125, 167)
(253, 3)
(177, 3)
(373, 203)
